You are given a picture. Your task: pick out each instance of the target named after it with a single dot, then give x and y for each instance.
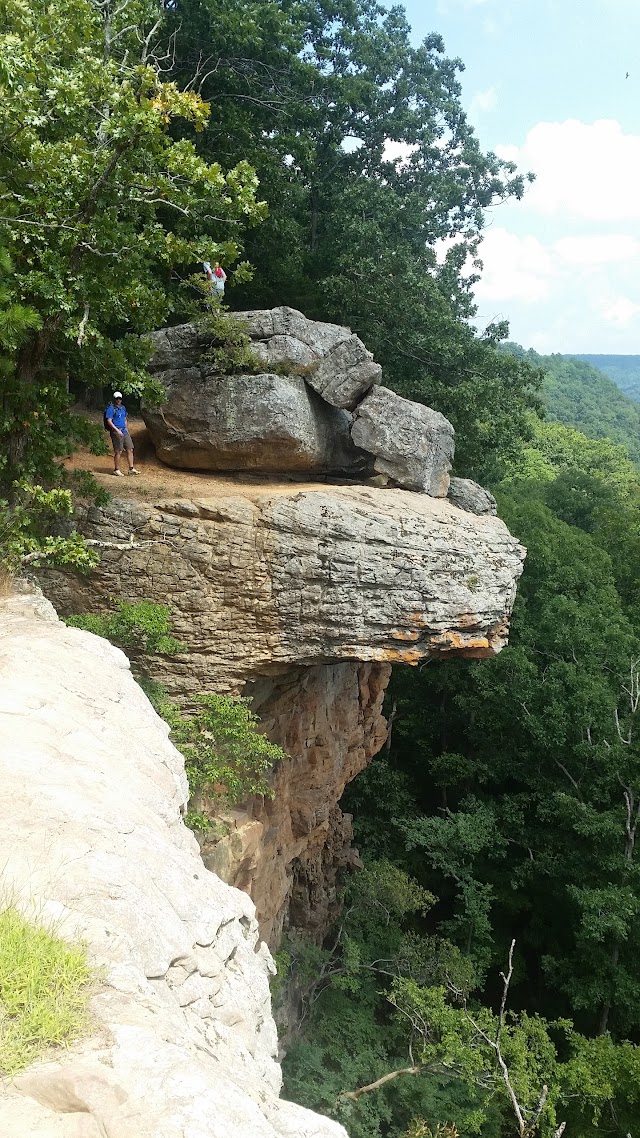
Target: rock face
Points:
(250, 422)
(303, 598)
(263, 581)
(411, 443)
(266, 422)
(182, 1041)
(297, 421)
(287, 851)
(337, 364)
(468, 495)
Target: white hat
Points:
(117, 395)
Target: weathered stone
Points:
(344, 370)
(283, 321)
(412, 443)
(468, 495)
(282, 351)
(178, 347)
(249, 422)
(287, 851)
(344, 375)
(343, 580)
(261, 581)
(182, 1040)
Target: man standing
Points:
(117, 423)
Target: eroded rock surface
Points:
(302, 598)
(411, 443)
(182, 1042)
(271, 421)
(251, 422)
(287, 851)
(335, 362)
(258, 583)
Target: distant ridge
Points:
(582, 395)
(623, 370)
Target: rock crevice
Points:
(182, 1040)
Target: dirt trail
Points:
(158, 480)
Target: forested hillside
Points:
(139, 139)
(623, 370)
(506, 809)
(580, 395)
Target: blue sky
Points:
(544, 84)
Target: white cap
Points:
(117, 395)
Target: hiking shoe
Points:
(133, 470)
(118, 473)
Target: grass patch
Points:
(44, 988)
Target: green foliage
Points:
(623, 370)
(510, 791)
(230, 351)
(227, 759)
(311, 94)
(354, 1036)
(140, 627)
(104, 209)
(44, 988)
(579, 395)
(24, 537)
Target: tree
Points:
(540, 743)
(101, 210)
(315, 94)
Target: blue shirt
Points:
(118, 416)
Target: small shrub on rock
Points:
(226, 757)
(140, 627)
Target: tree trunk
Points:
(606, 1009)
(315, 210)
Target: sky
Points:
(546, 85)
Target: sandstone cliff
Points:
(301, 597)
(181, 1043)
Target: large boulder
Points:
(333, 361)
(468, 495)
(411, 443)
(263, 422)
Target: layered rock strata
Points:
(259, 583)
(302, 598)
(181, 1042)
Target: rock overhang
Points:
(258, 582)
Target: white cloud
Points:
(588, 171)
(580, 293)
(597, 249)
(397, 151)
(514, 268)
(482, 102)
(621, 312)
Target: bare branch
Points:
(47, 554)
(83, 326)
(353, 1096)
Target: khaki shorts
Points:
(121, 442)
